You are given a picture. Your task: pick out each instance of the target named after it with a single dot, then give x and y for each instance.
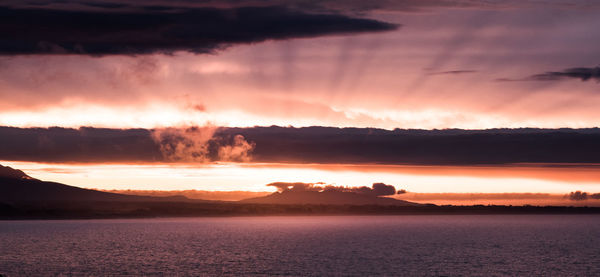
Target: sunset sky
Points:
(168, 82)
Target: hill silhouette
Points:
(18, 187)
(326, 198)
(319, 194)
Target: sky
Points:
(195, 78)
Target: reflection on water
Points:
(556, 245)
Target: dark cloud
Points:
(383, 189)
(283, 186)
(377, 189)
(580, 196)
(348, 6)
(105, 31)
(581, 73)
(302, 145)
(452, 72)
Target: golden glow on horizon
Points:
(254, 177)
(166, 115)
(151, 116)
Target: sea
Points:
(421, 245)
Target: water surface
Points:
(558, 245)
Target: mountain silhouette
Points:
(326, 198)
(9, 172)
(18, 187)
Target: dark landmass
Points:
(90, 210)
(315, 145)
(23, 197)
(326, 198)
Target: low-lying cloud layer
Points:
(147, 30)
(301, 145)
(377, 189)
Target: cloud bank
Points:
(324, 145)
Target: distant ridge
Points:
(326, 198)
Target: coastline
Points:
(124, 210)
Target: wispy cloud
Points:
(581, 73)
(452, 72)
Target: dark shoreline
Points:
(114, 210)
